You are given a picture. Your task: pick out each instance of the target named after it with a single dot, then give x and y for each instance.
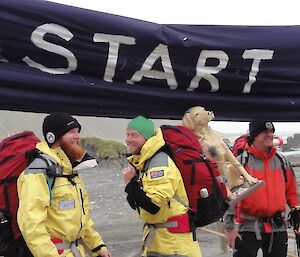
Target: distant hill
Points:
(106, 128)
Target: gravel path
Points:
(119, 225)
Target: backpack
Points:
(13, 161)
(240, 144)
(202, 179)
(16, 153)
(239, 149)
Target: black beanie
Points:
(57, 124)
(255, 127)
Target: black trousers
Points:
(249, 245)
(18, 248)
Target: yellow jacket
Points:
(161, 180)
(65, 216)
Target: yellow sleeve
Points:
(161, 184)
(34, 199)
(92, 238)
(89, 235)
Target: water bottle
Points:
(3, 219)
(5, 228)
(204, 193)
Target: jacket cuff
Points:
(228, 222)
(229, 228)
(98, 250)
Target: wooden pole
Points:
(220, 230)
(291, 255)
(290, 235)
(212, 232)
(295, 164)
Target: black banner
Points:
(59, 58)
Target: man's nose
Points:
(129, 138)
(77, 134)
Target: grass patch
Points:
(104, 149)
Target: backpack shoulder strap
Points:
(284, 164)
(41, 163)
(54, 171)
(178, 199)
(160, 158)
(244, 158)
(283, 161)
(50, 179)
(37, 165)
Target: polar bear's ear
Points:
(187, 121)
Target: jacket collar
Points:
(260, 153)
(57, 154)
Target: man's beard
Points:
(73, 150)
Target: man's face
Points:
(264, 139)
(69, 142)
(134, 141)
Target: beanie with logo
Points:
(142, 125)
(256, 127)
(57, 124)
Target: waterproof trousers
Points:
(272, 245)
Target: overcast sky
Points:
(218, 12)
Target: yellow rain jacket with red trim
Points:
(65, 217)
(161, 183)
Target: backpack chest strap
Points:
(63, 245)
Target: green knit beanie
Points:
(142, 125)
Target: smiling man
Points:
(261, 215)
(53, 213)
(152, 180)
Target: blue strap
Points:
(50, 181)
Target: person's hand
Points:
(128, 174)
(106, 254)
(293, 219)
(230, 237)
(297, 231)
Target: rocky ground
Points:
(118, 223)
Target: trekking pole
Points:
(294, 221)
